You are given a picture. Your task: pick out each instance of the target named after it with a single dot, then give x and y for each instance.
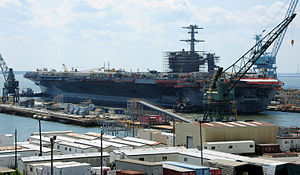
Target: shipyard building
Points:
(188, 135)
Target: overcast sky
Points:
(133, 34)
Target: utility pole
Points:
(201, 148)
(173, 131)
(52, 144)
(40, 132)
(134, 116)
(16, 150)
(101, 163)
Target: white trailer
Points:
(234, 147)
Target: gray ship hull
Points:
(251, 97)
(117, 94)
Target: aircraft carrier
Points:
(180, 86)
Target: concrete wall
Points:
(184, 130)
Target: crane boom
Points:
(278, 42)
(219, 99)
(4, 68)
(240, 67)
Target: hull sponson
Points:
(251, 96)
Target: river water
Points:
(25, 126)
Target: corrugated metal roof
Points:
(235, 124)
(228, 162)
(81, 136)
(71, 165)
(76, 145)
(62, 157)
(177, 168)
(149, 151)
(190, 166)
(140, 162)
(35, 147)
(126, 142)
(134, 139)
(99, 135)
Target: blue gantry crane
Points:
(266, 63)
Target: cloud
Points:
(6, 3)
(142, 25)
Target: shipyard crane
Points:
(268, 59)
(65, 68)
(219, 98)
(11, 86)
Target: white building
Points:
(147, 154)
(234, 147)
(91, 158)
(72, 148)
(65, 168)
(155, 135)
(288, 143)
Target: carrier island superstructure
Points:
(182, 82)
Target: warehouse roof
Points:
(71, 165)
(126, 142)
(140, 162)
(147, 142)
(62, 157)
(66, 139)
(190, 166)
(99, 135)
(93, 143)
(37, 137)
(34, 147)
(6, 170)
(150, 151)
(210, 155)
(81, 136)
(53, 133)
(227, 162)
(76, 145)
(177, 168)
(235, 124)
